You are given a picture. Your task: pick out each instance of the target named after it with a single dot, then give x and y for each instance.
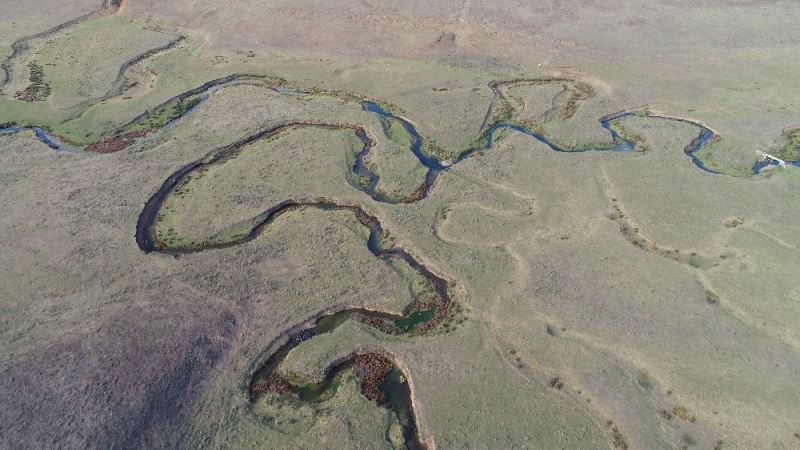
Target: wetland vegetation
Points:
(217, 158)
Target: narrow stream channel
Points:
(423, 315)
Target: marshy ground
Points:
(439, 229)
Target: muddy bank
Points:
(380, 378)
(501, 115)
(387, 388)
(383, 383)
(116, 143)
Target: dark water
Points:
(619, 144)
(416, 139)
(41, 134)
(394, 386)
(434, 165)
(360, 169)
(394, 389)
(766, 163)
(705, 137)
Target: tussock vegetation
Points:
(114, 347)
(39, 89)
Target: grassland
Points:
(60, 62)
(604, 299)
(230, 194)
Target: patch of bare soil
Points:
(116, 143)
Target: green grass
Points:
(102, 44)
(396, 132)
(316, 391)
(517, 275)
(166, 114)
(790, 151)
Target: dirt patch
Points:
(116, 143)
(372, 368)
(273, 383)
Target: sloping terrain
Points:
(428, 225)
